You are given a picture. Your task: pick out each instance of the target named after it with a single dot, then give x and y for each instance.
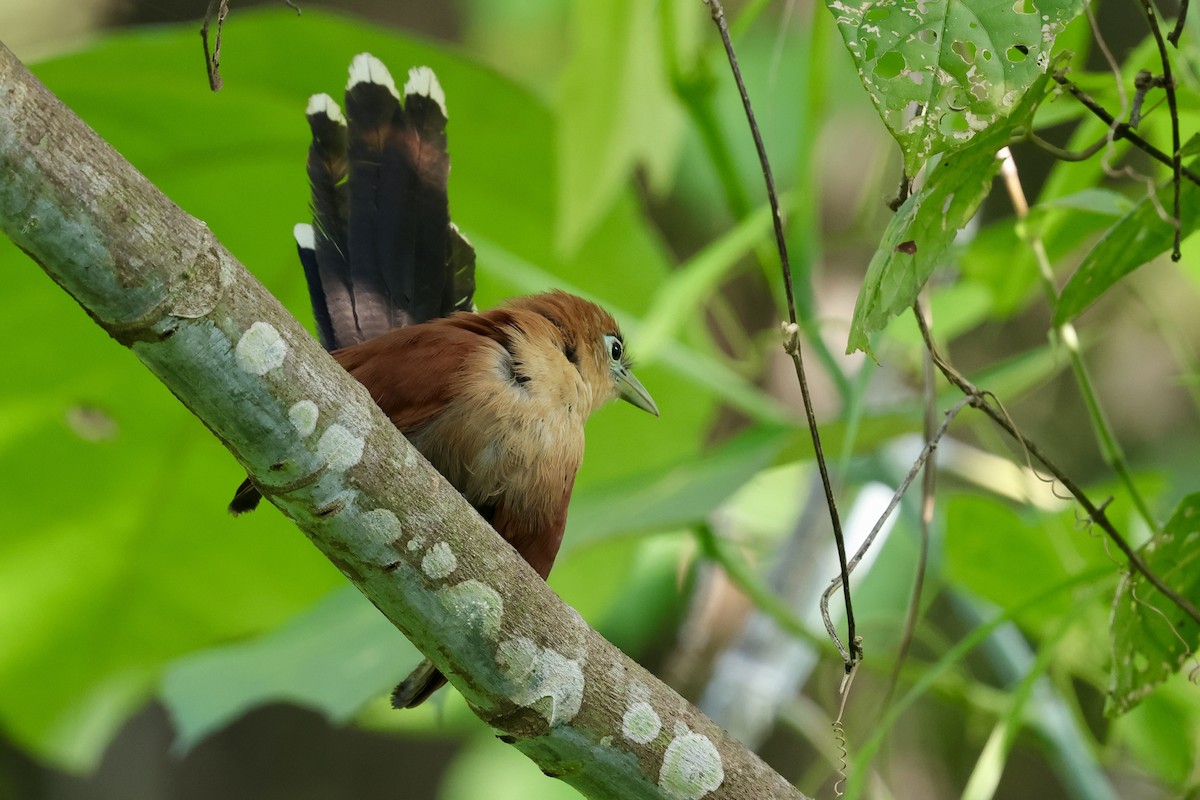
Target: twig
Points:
(980, 400)
(1110, 447)
(926, 451)
(902, 192)
(1168, 84)
(792, 339)
(1060, 153)
(1173, 36)
(1143, 82)
(928, 486)
(695, 92)
(212, 58)
(1120, 129)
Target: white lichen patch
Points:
(439, 562)
(691, 767)
(339, 448)
(544, 680)
(381, 524)
(478, 605)
(303, 416)
(260, 350)
(640, 723)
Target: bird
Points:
(495, 400)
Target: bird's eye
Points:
(616, 348)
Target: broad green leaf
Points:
(1103, 202)
(1163, 731)
(921, 232)
(615, 110)
(333, 658)
(962, 64)
(1139, 236)
(1006, 557)
(675, 497)
(1151, 638)
(998, 555)
(1000, 259)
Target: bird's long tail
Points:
(381, 251)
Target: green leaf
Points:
(1104, 202)
(119, 555)
(1000, 556)
(921, 232)
(616, 110)
(1151, 638)
(1163, 731)
(333, 658)
(1000, 259)
(675, 497)
(1139, 236)
(965, 64)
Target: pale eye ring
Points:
(616, 347)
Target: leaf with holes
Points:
(923, 229)
(1151, 637)
(941, 71)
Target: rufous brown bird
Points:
(497, 400)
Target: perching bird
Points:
(496, 401)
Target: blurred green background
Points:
(597, 147)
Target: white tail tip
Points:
(305, 236)
(324, 104)
(366, 68)
(422, 81)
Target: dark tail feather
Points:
(327, 264)
(383, 253)
(462, 271)
(373, 110)
(306, 245)
(417, 171)
(418, 687)
(245, 499)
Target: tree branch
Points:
(161, 284)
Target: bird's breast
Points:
(512, 432)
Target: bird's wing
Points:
(411, 372)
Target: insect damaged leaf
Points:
(941, 72)
(1151, 637)
(923, 228)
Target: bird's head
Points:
(593, 343)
